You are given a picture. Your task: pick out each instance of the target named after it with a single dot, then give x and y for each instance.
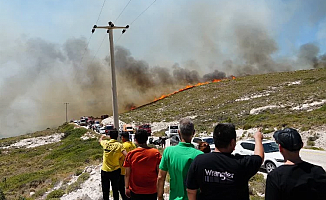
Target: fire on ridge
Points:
(183, 89)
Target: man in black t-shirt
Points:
(296, 179)
(221, 175)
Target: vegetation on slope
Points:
(221, 102)
(42, 167)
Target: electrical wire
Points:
(100, 12)
(142, 12)
(122, 11)
(81, 60)
(98, 49)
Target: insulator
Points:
(123, 31)
(93, 30)
(108, 31)
(127, 26)
(95, 26)
(110, 23)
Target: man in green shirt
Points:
(176, 160)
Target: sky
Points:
(43, 59)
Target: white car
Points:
(273, 157)
(175, 139)
(102, 130)
(172, 130)
(210, 141)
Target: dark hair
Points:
(114, 134)
(125, 135)
(186, 128)
(141, 136)
(204, 147)
(223, 134)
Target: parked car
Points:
(146, 127)
(102, 130)
(172, 130)
(175, 139)
(273, 157)
(128, 128)
(83, 122)
(109, 128)
(210, 141)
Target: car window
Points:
(270, 147)
(173, 127)
(248, 146)
(209, 140)
(196, 140)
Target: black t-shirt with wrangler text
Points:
(222, 175)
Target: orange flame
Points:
(183, 89)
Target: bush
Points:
(78, 172)
(2, 195)
(55, 194)
(257, 184)
(310, 143)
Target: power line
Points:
(122, 11)
(98, 49)
(100, 12)
(142, 12)
(81, 60)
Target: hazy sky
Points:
(41, 43)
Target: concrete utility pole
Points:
(113, 79)
(66, 111)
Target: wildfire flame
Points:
(183, 89)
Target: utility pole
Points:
(110, 28)
(66, 111)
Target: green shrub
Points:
(82, 178)
(247, 126)
(78, 172)
(40, 192)
(2, 195)
(310, 143)
(55, 194)
(257, 184)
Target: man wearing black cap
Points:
(296, 179)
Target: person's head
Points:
(186, 129)
(289, 140)
(204, 147)
(125, 136)
(225, 136)
(141, 136)
(114, 134)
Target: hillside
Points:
(295, 99)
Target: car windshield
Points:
(270, 147)
(173, 127)
(146, 126)
(208, 140)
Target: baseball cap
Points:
(289, 139)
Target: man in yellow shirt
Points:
(111, 168)
(128, 146)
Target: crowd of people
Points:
(139, 173)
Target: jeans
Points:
(106, 179)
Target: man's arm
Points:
(192, 194)
(160, 184)
(259, 149)
(127, 176)
(101, 138)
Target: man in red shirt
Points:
(141, 166)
